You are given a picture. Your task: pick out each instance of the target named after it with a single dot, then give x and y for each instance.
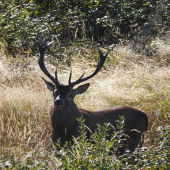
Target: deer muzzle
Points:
(58, 103)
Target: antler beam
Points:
(42, 47)
(101, 61)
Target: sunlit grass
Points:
(126, 79)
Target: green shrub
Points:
(99, 153)
(94, 153)
(22, 22)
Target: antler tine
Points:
(42, 47)
(72, 84)
(69, 80)
(56, 78)
(101, 61)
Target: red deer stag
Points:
(64, 111)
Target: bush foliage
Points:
(98, 152)
(22, 22)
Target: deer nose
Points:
(59, 102)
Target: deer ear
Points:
(81, 89)
(49, 85)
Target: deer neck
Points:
(65, 116)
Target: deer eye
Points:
(56, 93)
(70, 95)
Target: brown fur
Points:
(65, 112)
(65, 125)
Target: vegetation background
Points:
(136, 73)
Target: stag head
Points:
(64, 93)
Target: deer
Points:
(64, 112)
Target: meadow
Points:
(127, 78)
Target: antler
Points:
(101, 61)
(42, 47)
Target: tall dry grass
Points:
(128, 79)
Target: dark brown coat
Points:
(65, 112)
